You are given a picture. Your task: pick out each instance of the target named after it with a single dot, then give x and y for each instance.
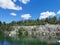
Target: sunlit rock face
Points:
(45, 30)
(12, 33)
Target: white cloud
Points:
(44, 15)
(14, 0)
(26, 16)
(13, 14)
(24, 1)
(58, 12)
(9, 4)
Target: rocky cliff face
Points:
(47, 29)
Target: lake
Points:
(28, 40)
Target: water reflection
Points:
(29, 40)
(5, 42)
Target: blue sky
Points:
(15, 10)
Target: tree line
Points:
(52, 20)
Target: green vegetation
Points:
(52, 20)
(20, 31)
